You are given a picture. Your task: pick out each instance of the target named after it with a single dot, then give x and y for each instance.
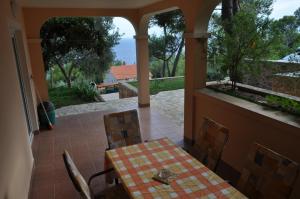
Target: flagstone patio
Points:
(168, 103)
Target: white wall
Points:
(16, 159)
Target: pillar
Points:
(142, 53)
(195, 78)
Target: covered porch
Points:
(37, 165)
(83, 135)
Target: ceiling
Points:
(88, 3)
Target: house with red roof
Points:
(122, 73)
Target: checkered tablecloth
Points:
(137, 164)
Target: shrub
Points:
(85, 90)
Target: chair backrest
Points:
(267, 174)
(210, 142)
(122, 129)
(78, 181)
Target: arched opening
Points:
(164, 34)
(78, 55)
(126, 50)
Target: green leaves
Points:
(242, 40)
(65, 39)
(284, 104)
(287, 36)
(168, 45)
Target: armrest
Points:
(98, 174)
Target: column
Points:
(195, 78)
(142, 53)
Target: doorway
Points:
(24, 80)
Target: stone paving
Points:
(168, 103)
(111, 96)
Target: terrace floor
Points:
(168, 103)
(83, 135)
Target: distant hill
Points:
(125, 50)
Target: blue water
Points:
(125, 50)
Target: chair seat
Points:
(114, 192)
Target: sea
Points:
(126, 50)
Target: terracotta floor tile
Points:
(84, 137)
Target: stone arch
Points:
(144, 20)
(129, 19)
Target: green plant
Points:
(284, 104)
(242, 39)
(64, 96)
(85, 42)
(85, 90)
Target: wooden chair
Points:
(84, 188)
(122, 129)
(209, 143)
(267, 174)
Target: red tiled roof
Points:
(124, 72)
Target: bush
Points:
(64, 96)
(85, 90)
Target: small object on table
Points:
(164, 176)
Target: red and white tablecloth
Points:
(137, 164)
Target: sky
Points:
(280, 9)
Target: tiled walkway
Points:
(84, 137)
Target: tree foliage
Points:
(286, 31)
(85, 42)
(170, 44)
(242, 38)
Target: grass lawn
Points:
(63, 96)
(159, 85)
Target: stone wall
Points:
(288, 85)
(266, 71)
(126, 90)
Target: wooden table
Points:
(136, 165)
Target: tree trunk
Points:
(67, 78)
(69, 83)
(168, 69)
(177, 57)
(165, 51)
(227, 13)
(163, 69)
(227, 9)
(70, 72)
(235, 6)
